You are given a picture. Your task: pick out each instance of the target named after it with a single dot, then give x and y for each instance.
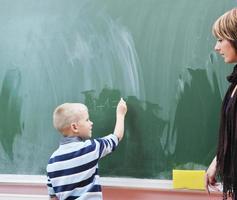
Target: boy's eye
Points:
(219, 40)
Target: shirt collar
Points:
(66, 140)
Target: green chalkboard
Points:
(157, 54)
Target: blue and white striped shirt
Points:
(72, 169)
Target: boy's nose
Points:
(217, 46)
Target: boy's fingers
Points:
(122, 101)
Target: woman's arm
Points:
(210, 177)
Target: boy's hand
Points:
(121, 112)
(121, 107)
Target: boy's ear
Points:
(74, 127)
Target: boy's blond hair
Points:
(225, 27)
(67, 113)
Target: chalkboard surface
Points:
(157, 54)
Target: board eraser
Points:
(189, 179)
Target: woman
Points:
(225, 162)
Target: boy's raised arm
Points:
(120, 115)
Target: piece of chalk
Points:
(188, 179)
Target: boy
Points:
(73, 168)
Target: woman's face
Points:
(225, 48)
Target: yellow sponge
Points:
(188, 179)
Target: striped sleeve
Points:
(50, 188)
(107, 144)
